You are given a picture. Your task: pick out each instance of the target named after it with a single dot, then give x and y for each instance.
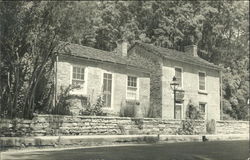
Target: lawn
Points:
(220, 150)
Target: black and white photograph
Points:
(124, 80)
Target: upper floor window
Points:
(178, 76)
(132, 88)
(202, 81)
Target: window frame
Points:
(177, 67)
(137, 87)
(182, 111)
(205, 113)
(79, 91)
(112, 88)
(205, 80)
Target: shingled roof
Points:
(177, 55)
(90, 53)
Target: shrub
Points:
(128, 109)
(63, 104)
(193, 112)
(188, 125)
(94, 109)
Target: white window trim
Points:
(182, 110)
(205, 90)
(112, 90)
(84, 91)
(181, 75)
(138, 86)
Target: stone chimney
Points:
(191, 50)
(122, 48)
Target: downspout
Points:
(55, 87)
(221, 103)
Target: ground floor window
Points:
(202, 108)
(107, 89)
(132, 88)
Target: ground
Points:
(219, 150)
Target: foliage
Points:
(62, 106)
(193, 112)
(129, 108)
(28, 45)
(94, 109)
(188, 125)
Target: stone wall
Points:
(51, 125)
(54, 125)
(232, 127)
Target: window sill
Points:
(202, 92)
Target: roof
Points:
(90, 53)
(176, 55)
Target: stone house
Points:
(97, 72)
(199, 80)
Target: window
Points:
(132, 88)
(178, 76)
(202, 108)
(178, 111)
(107, 89)
(78, 76)
(202, 82)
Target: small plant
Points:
(94, 109)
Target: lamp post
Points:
(174, 84)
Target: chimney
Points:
(191, 50)
(122, 48)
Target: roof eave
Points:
(98, 60)
(170, 58)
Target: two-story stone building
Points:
(142, 75)
(199, 80)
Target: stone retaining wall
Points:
(232, 127)
(54, 125)
(51, 125)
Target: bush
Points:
(94, 109)
(188, 125)
(193, 112)
(128, 109)
(187, 128)
(63, 104)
